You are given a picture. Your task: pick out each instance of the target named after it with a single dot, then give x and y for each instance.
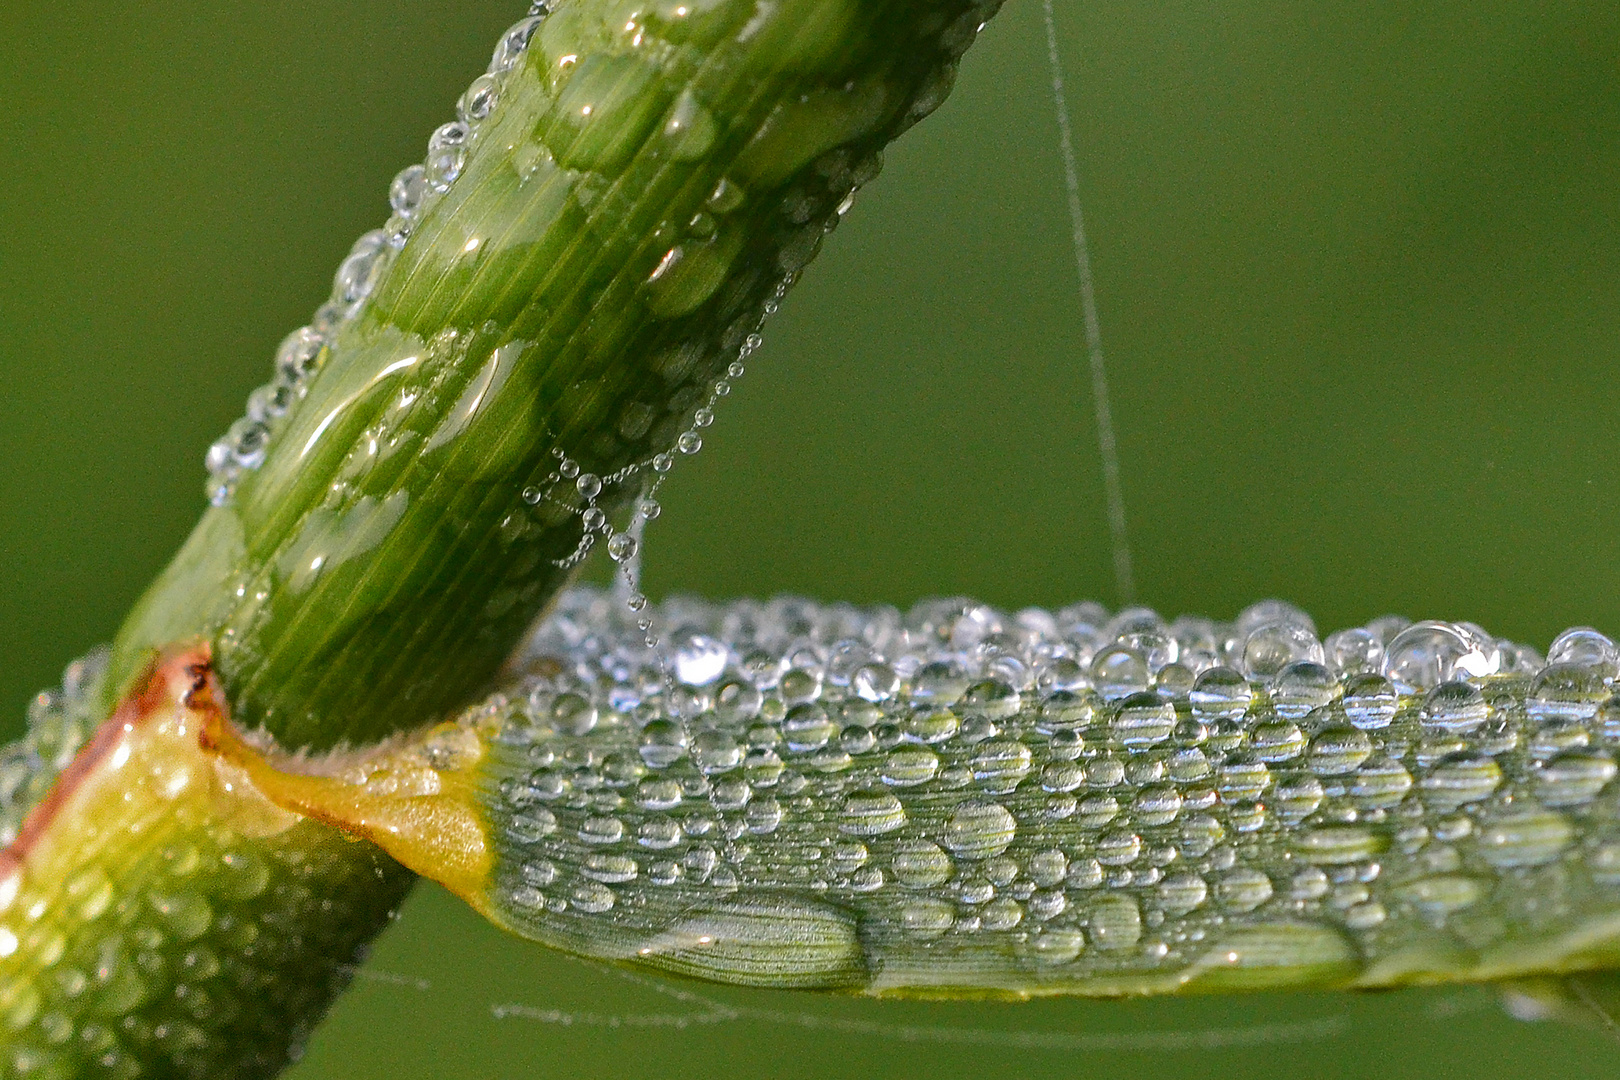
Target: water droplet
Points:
(1296, 796)
(1365, 916)
(1001, 765)
(601, 830)
(927, 918)
(1143, 721)
(592, 898)
(870, 813)
(658, 794)
(938, 683)
(979, 830)
(510, 49)
(1220, 694)
(531, 826)
(907, 766)
(1369, 701)
(807, 728)
(931, 725)
(479, 100)
(663, 743)
(1354, 652)
(1055, 945)
(1180, 893)
(1271, 647)
(1565, 692)
(1457, 707)
(1278, 740)
(1119, 848)
(991, 698)
(1243, 779)
(611, 869)
(1442, 894)
(621, 546)
(875, 682)
(1339, 751)
(1302, 687)
(1459, 779)
(697, 658)
(763, 816)
(659, 833)
(1115, 922)
(1243, 889)
(1528, 837)
(1573, 778)
(690, 442)
(1156, 804)
(1426, 654)
(1338, 845)
(1584, 647)
(1119, 671)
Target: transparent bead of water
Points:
(1220, 694)
(1426, 654)
(980, 830)
(939, 683)
(1141, 629)
(875, 682)
(1119, 671)
(621, 546)
(990, 698)
(1301, 687)
(1270, 647)
(271, 402)
(1574, 778)
(1243, 889)
(662, 743)
(357, 274)
(697, 658)
(479, 100)
(690, 442)
(1268, 612)
(663, 462)
(1380, 783)
(1586, 647)
(248, 441)
(716, 752)
(589, 485)
(1566, 692)
(1339, 751)
(1144, 720)
(447, 154)
(593, 519)
(510, 49)
(1369, 701)
(1354, 652)
(1457, 707)
(1179, 894)
(919, 864)
(298, 356)
(1458, 780)
(1529, 837)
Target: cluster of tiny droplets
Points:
(60, 721)
(1066, 777)
(411, 195)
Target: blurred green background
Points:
(1359, 276)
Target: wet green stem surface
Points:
(651, 179)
